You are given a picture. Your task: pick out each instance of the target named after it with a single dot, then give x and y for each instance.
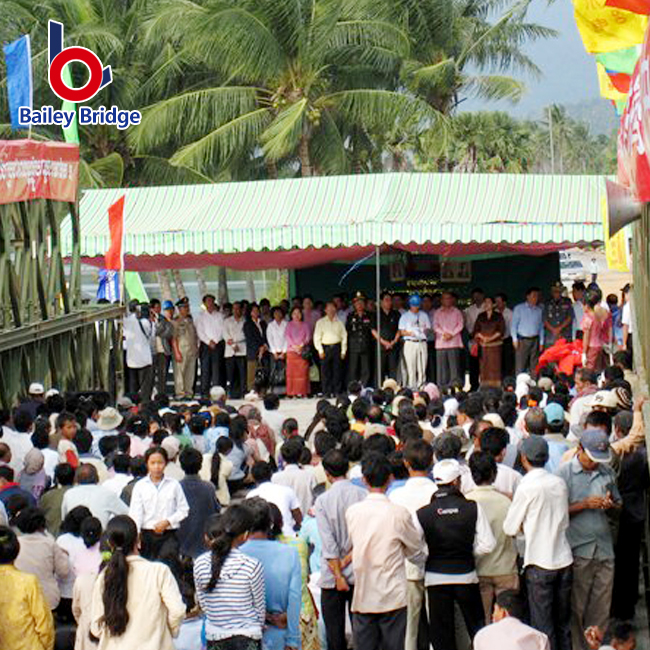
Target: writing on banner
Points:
(38, 170)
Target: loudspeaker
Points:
(622, 207)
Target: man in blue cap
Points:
(591, 483)
(413, 326)
(164, 333)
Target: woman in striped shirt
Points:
(230, 585)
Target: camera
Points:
(144, 310)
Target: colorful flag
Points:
(20, 87)
(134, 286)
(615, 247)
(606, 29)
(620, 60)
(113, 260)
(607, 88)
(70, 133)
(635, 6)
(109, 286)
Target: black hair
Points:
(271, 402)
(83, 441)
(483, 467)
(197, 425)
(324, 442)
(64, 417)
(335, 463)
(238, 430)
(158, 437)
(262, 472)
(138, 425)
(398, 469)
(41, 435)
(222, 419)
(23, 421)
(221, 531)
(290, 426)
(532, 290)
(91, 531)
(291, 450)
(74, 519)
(588, 376)
(107, 445)
(612, 373)
(305, 456)
(352, 446)
(64, 474)
(261, 515)
(409, 431)
(29, 520)
(354, 387)
(623, 421)
(599, 420)
(360, 409)
(224, 445)
(121, 463)
(472, 407)
(173, 422)
(138, 467)
(156, 450)
(9, 546)
(122, 536)
(618, 631)
(419, 455)
(511, 601)
(277, 521)
(376, 470)
(494, 440)
(191, 460)
(7, 473)
(623, 358)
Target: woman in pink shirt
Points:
(597, 332)
(298, 335)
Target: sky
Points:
(568, 72)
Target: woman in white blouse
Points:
(276, 338)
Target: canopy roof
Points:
(303, 222)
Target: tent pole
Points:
(378, 310)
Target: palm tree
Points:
(294, 79)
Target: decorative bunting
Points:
(607, 88)
(635, 6)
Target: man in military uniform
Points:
(359, 326)
(557, 317)
(388, 336)
(186, 350)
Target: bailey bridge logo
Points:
(98, 77)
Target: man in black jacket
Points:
(455, 530)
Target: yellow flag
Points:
(605, 29)
(607, 88)
(614, 246)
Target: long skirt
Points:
(490, 365)
(297, 375)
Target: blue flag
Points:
(109, 285)
(20, 87)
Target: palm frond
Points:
(283, 134)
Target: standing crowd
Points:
(406, 516)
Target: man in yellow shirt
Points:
(331, 342)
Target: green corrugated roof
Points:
(341, 211)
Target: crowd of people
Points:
(303, 348)
(407, 515)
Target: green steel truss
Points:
(46, 333)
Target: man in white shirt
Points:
(626, 320)
(507, 632)
(413, 326)
(18, 439)
(456, 530)
(121, 466)
(280, 495)
(301, 480)
(209, 327)
(469, 316)
(413, 495)
(540, 509)
(138, 342)
(235, 352)
(103, 503)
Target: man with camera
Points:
(138, 337)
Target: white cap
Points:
(36, 389)
(446, 471)
(217, 393)
(495, 420)
(605, 399)
(52, 392)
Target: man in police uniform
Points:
(359, 326)
(557, 317)
(388, 336)
(186, 350)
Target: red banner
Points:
(38, 170)
(113, 257)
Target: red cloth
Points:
(566, 354)
(113, 257)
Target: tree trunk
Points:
(303, 154)
(250, 287)
(180, 288)
(203, 286)
(271, 169)
(223, 285)
(165, 286)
